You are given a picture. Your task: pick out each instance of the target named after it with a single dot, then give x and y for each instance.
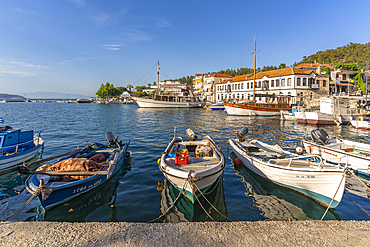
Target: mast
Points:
(254, 78)
(158, 86)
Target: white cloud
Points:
(113, 47)
(19, 69)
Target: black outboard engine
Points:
(242, 133)
(191, 135)
(110, 139)
(319, 136)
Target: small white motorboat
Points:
(360, 123)
(218, 106)
(192, 166)
(354, 155)
(309, 175)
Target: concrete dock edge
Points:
(260, 233)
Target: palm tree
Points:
(129, 86)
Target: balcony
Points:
(315, 86)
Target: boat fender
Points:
(160, 185)
(237, 162)
(310, 148)
(98, 158)
(159, 161)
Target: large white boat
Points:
(192, 166)
(162, 99)
(309, 175)
(332, 111)
(354, 155)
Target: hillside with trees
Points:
(351, 53)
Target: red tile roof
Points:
(313, 65)
(219, 75)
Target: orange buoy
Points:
(237, 162)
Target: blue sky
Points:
(73, 46)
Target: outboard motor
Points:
(110, 139)
(319, 136)
(242, 133)
(191, 135)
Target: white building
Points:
(289, 82)
(204, 85)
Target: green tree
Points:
(129, 86)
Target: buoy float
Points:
(237, 162)
(299, 150)
(159, 161)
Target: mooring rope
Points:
(36, 193)
(344, 174)
(173, 204)
(353, 173)
(192, 181)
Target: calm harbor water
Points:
(132, 195)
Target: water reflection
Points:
(95, 205)
(185, 211)
(277, 202)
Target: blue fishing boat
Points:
(218, 106)
(17, 146)
(78, 173)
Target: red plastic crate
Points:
(181, 158)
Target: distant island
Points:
(42, 95)
(11, 97)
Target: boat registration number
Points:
(82, 188)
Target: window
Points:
(247, 85)
(324, 83)
(283, 82)
(304, 82)
(218, 97)
(242, 86)
(289, 82)
(317, 82)
(238, 87)
(259, 84)
(272, 83)
(344, 77)
(298, 81)
(233, 86)
(237, 96)
(277, 83)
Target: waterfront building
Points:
(291, 81)
(342, 82)
(204, 85)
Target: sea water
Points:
(133, 194)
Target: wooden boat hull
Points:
(151, 103)
(317, 184)
(255, 109)
(56, 193)
(17, 158)
(334, 153)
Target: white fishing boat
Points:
(287, 116)
(162, 99)
(332, 111)
(360, 123)
(309, 175)
(192, 166)
(218, 106)
(354, 155)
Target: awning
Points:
(198, 80)
(345, 84)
